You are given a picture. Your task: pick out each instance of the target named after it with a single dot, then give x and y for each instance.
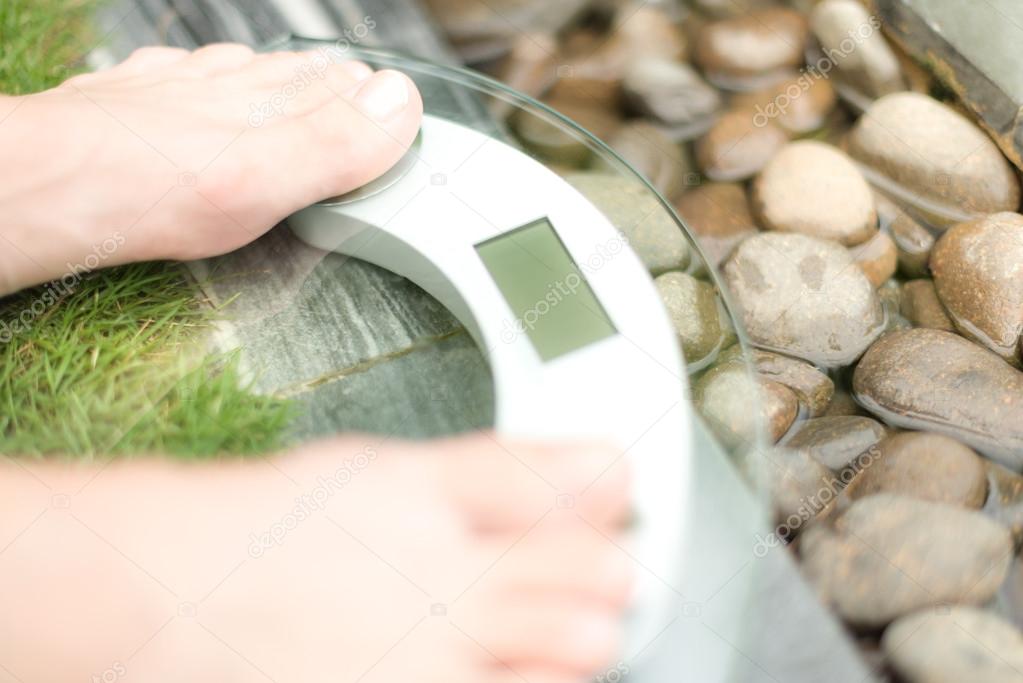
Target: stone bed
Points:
(864, 231)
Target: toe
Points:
(146, 59)
(545, 635)
(216, 59)
(505, 484)
(560, 559)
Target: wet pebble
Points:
(851, 40)
(653, 154)
(696, 314)
(671, 94)
(738, 406)
(1005, 503)
(814, 189)
(838, 442)
(735, 148)
(639, 216)
(888, 555)
(752, 50)
(798, 487)
(877, 258)
(804, 296)
(978, 275)
(812, 387)
(954, 645)
(913, 242)
(925, 466)
(934, 158)
(922, 308)
(719, 215)
(550, 141)
(800, 104)
(935, 380)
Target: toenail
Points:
(384, 95)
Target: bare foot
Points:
(179, 155)
(348, 560)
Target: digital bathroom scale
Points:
(580, 346)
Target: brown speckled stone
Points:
(876, 257)
(837, 442)
(814, 189)
(652, 154)
(800, 104)
(921, 306)
(738, 406)
(953, 646)
(736, 149)
(978, 274)
(812, 387)
(913, 241)
(752, 47)
(888, 555)
(781, 408)
(935, 155)
(924, 466)
(795, 483)
(719, 214)
(804, 296)
(938, 381)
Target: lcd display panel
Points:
(553, 303)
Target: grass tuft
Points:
(113, 363)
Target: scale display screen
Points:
(553, 303)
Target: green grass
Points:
(116, 362)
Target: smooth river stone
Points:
(851, 39)
(813, 188)
(672, 94)
(923, 152)
(889, 555)
(550, 140)
(638, 214)
(696, 314)
(812, 387)
(913, 242)
(924, 466)
(796, 484)
(804, 297)
(922, 308)
(735, 148)
(938, 381)
(1005, 504)
(978, 274)
(653, 154)
(877, 258)
(530, 68)
(838, 442)
(954, 645)
(739, 407)
(753, 49)
(800, 105)
(720, 216)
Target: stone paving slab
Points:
(976, 49)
